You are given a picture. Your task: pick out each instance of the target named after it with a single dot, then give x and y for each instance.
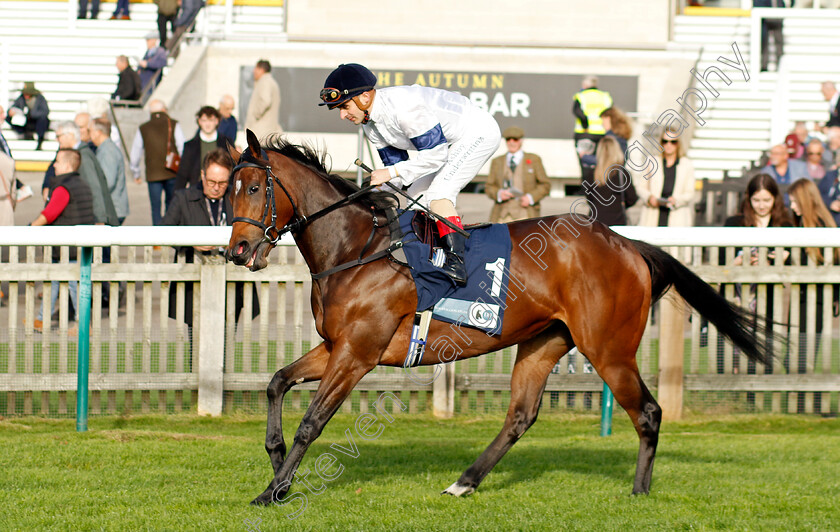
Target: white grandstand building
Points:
(654, 44)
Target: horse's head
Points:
(261, 205)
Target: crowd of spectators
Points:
(86, 183)
(798, 187)
(517, 182)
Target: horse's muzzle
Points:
(244, 253)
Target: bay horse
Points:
(582, 285)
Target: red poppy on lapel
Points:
(527, 161)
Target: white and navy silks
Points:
(452, 137)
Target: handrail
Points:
(117, 124)
(148, 89)
(692, 84)
(101, 235)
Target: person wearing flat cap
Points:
(29, 114)
(517, 181)
(150, 67)
(452, 139)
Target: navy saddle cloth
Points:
(481, 303)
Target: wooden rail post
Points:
(443, 392)
(672, 314)
(211, 347)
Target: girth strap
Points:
(395, 245)
(359, 262)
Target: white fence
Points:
(143, 360)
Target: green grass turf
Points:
(183, 472)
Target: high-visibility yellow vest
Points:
(592, 102)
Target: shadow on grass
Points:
(420, 461)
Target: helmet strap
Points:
(364, 108)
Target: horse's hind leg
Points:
(631, 393)
(533, 364)
(309, 367)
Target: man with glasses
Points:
(452, 138)
(204, 205)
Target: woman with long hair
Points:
(608, 187)
(617, 125)
(810, 211)
(763, 206)
(668, 196)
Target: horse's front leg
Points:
(342, 374)
(309, 367)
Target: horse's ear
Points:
(253, 143)
(231, 149)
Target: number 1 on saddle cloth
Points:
(480, 304)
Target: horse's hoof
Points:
(458, 490)
(263, 500)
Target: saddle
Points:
(481, 303)
(427, 232)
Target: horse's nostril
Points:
(240, 248)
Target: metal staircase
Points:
(73, 61)
(748, 117)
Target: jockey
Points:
(452, 137)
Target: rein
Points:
(299, 221)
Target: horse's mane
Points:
(316, 160)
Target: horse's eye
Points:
(253, 189)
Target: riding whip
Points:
(413, 201)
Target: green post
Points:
(606, 411)
(83, 359)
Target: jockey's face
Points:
(350, 111)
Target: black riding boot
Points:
(454, 267)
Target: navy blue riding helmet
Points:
(345, 82)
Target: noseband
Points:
(246, 160)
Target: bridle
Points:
(300, 221)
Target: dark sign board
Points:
(541, 104)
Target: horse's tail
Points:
(738, 325)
